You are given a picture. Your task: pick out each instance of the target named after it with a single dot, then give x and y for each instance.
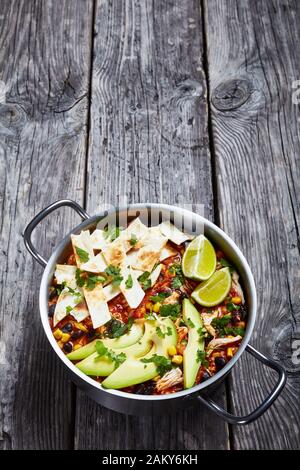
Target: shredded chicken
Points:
(207, 319)
(217, 343)
(172, 299)
(171, 378)
(237, 286)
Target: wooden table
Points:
(180, 101)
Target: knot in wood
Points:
(231, 94)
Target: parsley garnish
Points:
(115, 273)
(69, 309)
(159, 297)
(133, 240)
(149, 316)
(235, 331)
(102, 350)
(144, 280)
(170, 310)
(221, 324)
(72, 291)
(82, 254)
(112, 232)
(129, 282)
(162, 364)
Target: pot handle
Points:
(241, 420)
(40, 216)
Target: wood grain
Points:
(44, 83)
(148, 142)
(257, 166)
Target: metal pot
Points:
(142, 404)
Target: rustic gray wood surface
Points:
(180, 101)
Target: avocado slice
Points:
(135, 333)
(102, 366)
(191, 365)
(133, 371)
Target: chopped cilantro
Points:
(162, 364)
(112, 355)
(226, 264)
(133, 240)
(190, 323)
(177, 282)
(91, 281)
(144, 280)
(235, 331)
(149, 316)
(170, 310)
(231, 306)
(129, 282)
(115, 273)
(161, 334)
(82, 254)
(201, 358)
(112, 232)
(116, 328)
(69, 309)
(220, 322)
(79, 279)
(159, 297)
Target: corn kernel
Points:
(177, 359)
(156, 378)
(65, 337)
(149, 305)
(241, 324)
(77, 346)
(143, 310)
(81, 327)
(60, 344)
(236, 300)
(156, 307)
(229, 352)
(57, 334)
(172, 350)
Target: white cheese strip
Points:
(97, 305)
(135, 294)
(115, 253)
(80, 312)
(65, 273)
(82, 241)
(166, 252)
(145, 258)
(96, 264)
(98, 239)
(110, 292)
(173, 233)
(65, 299)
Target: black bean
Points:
(220, 362)
(68, 347)
(243, 312)
(205, 376)
(91, 334)
(145, 388)
(67, 328)
(52, 293)
(51, 310)
(76, 334)
(236, 317)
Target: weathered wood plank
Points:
(257, 163)
(45, 59)
(149, 142)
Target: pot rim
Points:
(48, 273)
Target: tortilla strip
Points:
(97, 305)
(166, 252)
(98, 239)
(115, 253)
(173, 233)
(145, 258)
(82, 241)
(65, 299)
(96, 264)
(135, 294)
(65, 273)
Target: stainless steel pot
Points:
(141, 404)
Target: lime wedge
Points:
(213, 291)
(199, 260)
